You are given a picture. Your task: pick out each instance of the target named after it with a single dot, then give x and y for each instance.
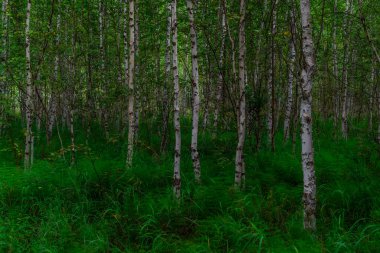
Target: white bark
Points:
(165, 97)
(5, 34)
(103, 80)
(137, 90)
(219, 90)
(335, 66)
(101, 37)
(4, 56)
(53, 98)
(177, 126)
(309, 190)
(29, 93)
(292, 58)
(126, 63)
(131, 98)
(239, 162)
(345, 70)
(271, 79)
(259, 44)
(195, 86)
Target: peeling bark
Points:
(28, 161)
(239, 162)
(177, 125)
(309, 190)
(131, 98)
(292, 58)
(219, 90)
(195, 89)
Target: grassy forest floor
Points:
(98, 206)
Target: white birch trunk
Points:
(195, 86)
(345, 70)
(309, 190)
(165, 97)
(239, 162)
(219, 89)
(271, 79)
(126, 63)
(177, 125)
(4, 56)
(29, 93)
(292, 58)
(335, 66)
(137, 90)
(259, 44)
(53, 98)
(131, 98)
(102, 65)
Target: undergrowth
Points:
(99, 206)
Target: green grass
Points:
(98, 206)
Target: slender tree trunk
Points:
(335, 67)
(131, 97)
(309, 191)
(103, 80)
(4, 60)
(126, 52)
(259, 45)
(165, 97)
(72, 136)
(372, 96)
(89, 93)
(219, 90)
(29, 93)
(207, 92)
(239, 162)
(4, 56)
(53, 98)
(345, 70)
(271, 79)
(292, 58)
(195, 86)
(137, 68)
(71, 93)
(177, 126)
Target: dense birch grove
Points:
(78, 73)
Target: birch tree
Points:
(309, 190)
(4, 57)
(335, 66)
(219, 90)
(271, 79)
(125, 52)
(29, 94)
(195, 89)
(165, 97)
(292, 58)
(239, 161)
(131, 98)
(346, 33)
(53, 102)
(177, 125)
(372, 96)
